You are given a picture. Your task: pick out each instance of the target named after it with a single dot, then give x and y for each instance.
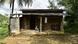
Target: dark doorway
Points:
(32, 22)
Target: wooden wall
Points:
(53, 22)
(25, 22)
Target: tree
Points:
(72, 10)
(52, 4)
(20, 3)
(2, 2)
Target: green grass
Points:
(3, 27)
(3, 33)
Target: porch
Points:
(41, 23)
(38, 21)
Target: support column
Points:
(9, 26)
(41, 24)
(62, 24)
(15, 25)
(18, 24)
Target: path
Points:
(23, 38)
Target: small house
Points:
(41, 20)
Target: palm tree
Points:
(20, 3)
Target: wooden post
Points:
(40, 24)
(9, 28)
(62, 24)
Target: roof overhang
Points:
(42, 10)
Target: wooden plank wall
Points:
(52, 22)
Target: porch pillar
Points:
(15, 24)
(18, 24)
(40, 24)
(62, 24)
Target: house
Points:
(41, 20)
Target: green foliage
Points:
(19, 2)
(72, 20)
(3, 26)
(2, 2)
(52, 4)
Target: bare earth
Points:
(32, 38)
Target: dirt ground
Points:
(33, 38)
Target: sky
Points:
(37, 4)
(40, 4)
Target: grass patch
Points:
(3, 27)
(3, 33)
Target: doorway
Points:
(32, 22)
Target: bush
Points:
(3, 26)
